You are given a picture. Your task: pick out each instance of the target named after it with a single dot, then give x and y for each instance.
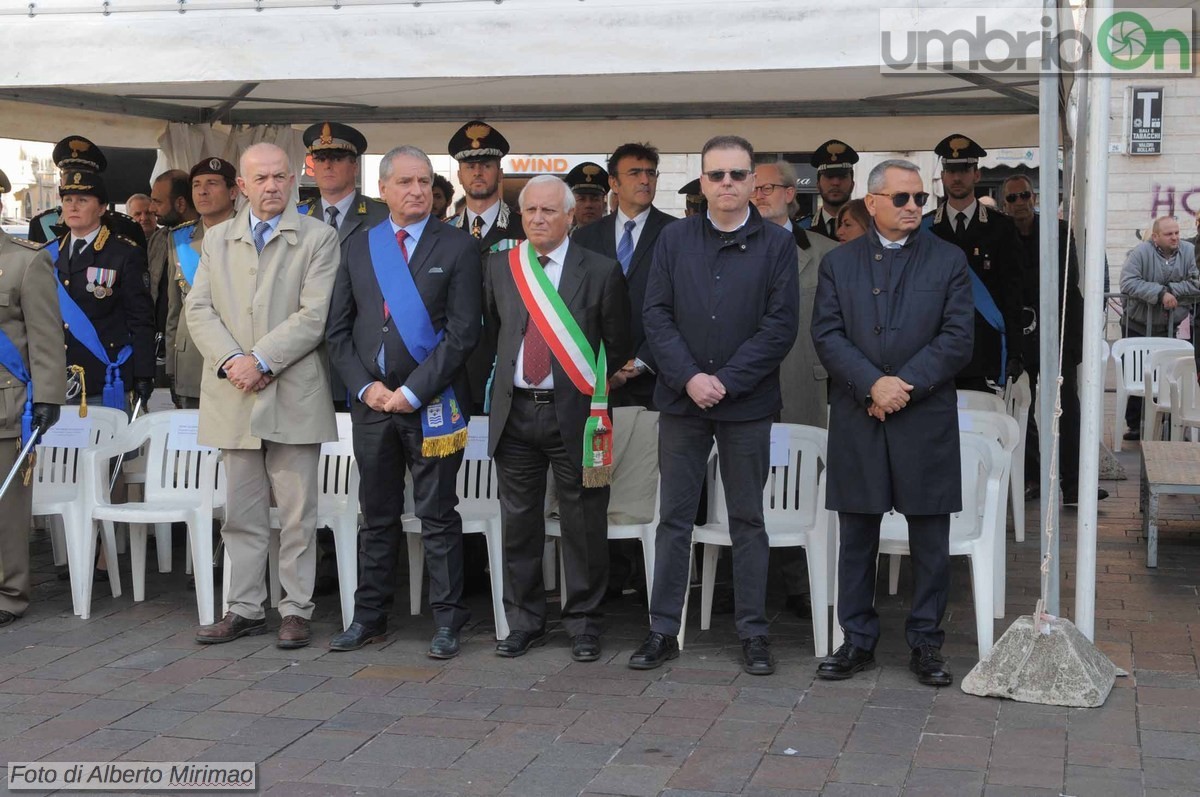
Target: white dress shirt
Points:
(639, 224)
(87, 239)
(968, 214)
(489, 218)
(553, 269)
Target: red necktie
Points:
(401, 237)
(536, 365)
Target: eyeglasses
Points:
(901, 198)
(1025, 195)
(737, 175)
(766, 189)
(636, 173)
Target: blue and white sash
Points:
(189, 258)
(10, 358)
(82, 329)
(986, 307)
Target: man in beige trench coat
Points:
(257, 313)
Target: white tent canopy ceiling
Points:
(560, 76)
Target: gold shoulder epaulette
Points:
(28, 244)
(191, 223)
(129, 241)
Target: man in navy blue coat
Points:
(893, 323)
(721, 312)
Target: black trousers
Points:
(744, 454)
(530, 444)
(384, 450)
(1068, 433)
(929, 544)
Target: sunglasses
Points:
(1026, 195)
(737, 175)
(901, 198)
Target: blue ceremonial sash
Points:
(53, 248)
(443, 426)
(189, 258)
(10, 358)
(986, 307)
(81, 328)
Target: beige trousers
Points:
(14, 534)
(252, 476)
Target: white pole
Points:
(1048, 310)
(1096, 205)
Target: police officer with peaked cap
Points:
(589, 183)
(834, 161)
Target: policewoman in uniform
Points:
(32, 385)
(214, 189)
(107, 316)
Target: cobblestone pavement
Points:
(130, 684)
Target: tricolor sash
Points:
(189, 258)
(81, 328)
(986, 306)
(573, 352)
(443, 427)
(10, 358)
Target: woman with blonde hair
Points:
(852, 220)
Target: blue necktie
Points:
(261, 231)
(625, 247)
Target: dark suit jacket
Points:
(445, 268)
(126, 315)
(995, 254)
(601, 237)
(1068, 272)
(894, 312)
(594, 291)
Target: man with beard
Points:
(996, 259)
(834, 161)
(171, 201)
(214, 189)
(589, 183)
(443, 197)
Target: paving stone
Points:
(792, 772)
(451, 782)
(871, 769)
(119, 740)
(1103, 782)
(943, 783)
(592, 686)
(717, 769)
(1028, 771)
(1085, 753)
(698, 709)
(1170, 744)
(167, 748)
(867, 737)
(684, 728)
(633, 780)
(499, 760)
(504, 696)
(321, 745)
(546, 781)
(289, 682)
(274, 731)
(358, 721)
(859, 790)
(345, 773)
(1170, 773)
(49, 704)
(536, 715)
(185, 671)
(461, 711)
(278, 769)
(650, 750)
(953, 752)
(576, 755)
(603, 727)
(390, 673)
(629, 705)
(442, 727)
(411, 751)
(213, 725)
(739, 735)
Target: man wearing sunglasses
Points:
(892, 323)
(997, 262)
(721, 311)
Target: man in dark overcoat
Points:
(893, 323)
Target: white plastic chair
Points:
(795, 515)
(57, 495)
(1017, 399)
(1185, 400)
(479, 507)
(1156, 408)
(978, 400)
(1129, 356)
(179, 489)
(972, 531)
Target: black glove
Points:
(160, 346)
(142, 388)
(44, 416)
(1014, 369)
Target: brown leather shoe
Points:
(230, 627)
(294, 633)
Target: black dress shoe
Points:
(1133, 434)
(756, 656)
(585, 647)
(845, 661)
(927, 662)
(518, 643)
(358, 636)
(444, 644)
(656, 650)
(1071, 497)
(6, 617)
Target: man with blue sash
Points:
(997, 263)
(405, 313)
(104, 295)
(33, 383)
(214, 189)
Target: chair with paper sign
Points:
(180, 478)
(57, 495)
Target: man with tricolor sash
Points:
(561, 319)
(214, 189)
(405, 313)
(104, 296)
(32, 385)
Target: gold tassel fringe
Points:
(444, 445)
(597, 477)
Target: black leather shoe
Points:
(845, 661)
(585, 647)
(518, 643)
(358, 636)
(756, 656)
(1071, 497)
(656, 650)
(6, 617)
(444, 644)
(1133, 434)
(927, 662)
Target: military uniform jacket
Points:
(47, 225)
(274, 304)
(994, 252)
(123, 313)
(30, 318)
(185, 364)
(507, 228)
(894, 312)
(815, 224)
(364, 214)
